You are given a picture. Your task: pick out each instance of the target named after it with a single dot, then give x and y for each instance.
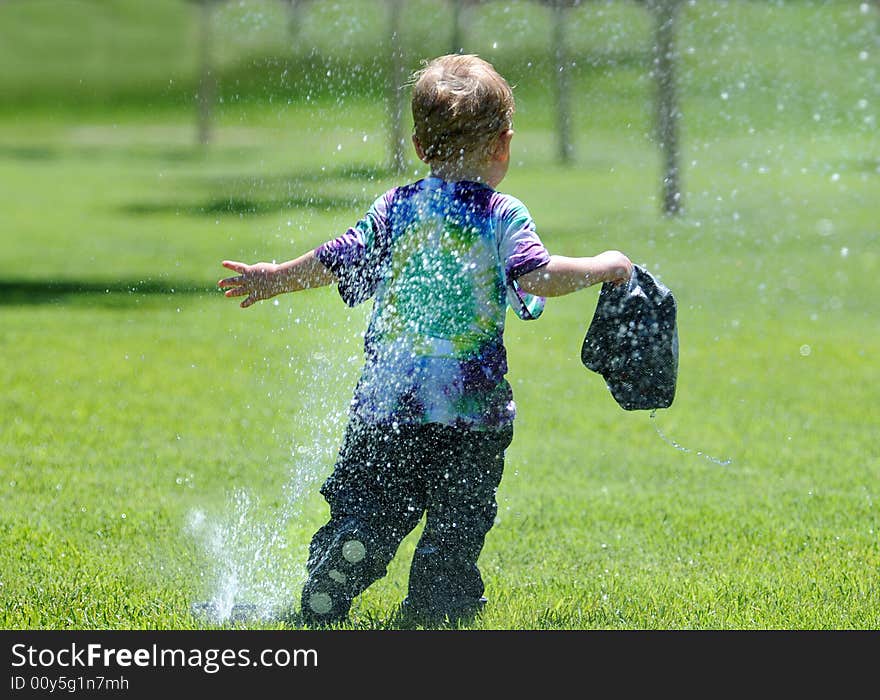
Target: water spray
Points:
(682, 448)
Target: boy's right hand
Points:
(617, 267)
(255, 282)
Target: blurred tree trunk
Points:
(293, 17)
(667, 110)
(396, 79)
(563, 84)
(457, 40)
(207, 93)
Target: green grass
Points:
(158, 442)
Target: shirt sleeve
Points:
(356, 257)
(521, 251)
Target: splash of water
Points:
(243, 550)
(256, 575)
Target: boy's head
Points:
(460, 106)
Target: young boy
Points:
(432, 413)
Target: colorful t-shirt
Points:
(440, 260)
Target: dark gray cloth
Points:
(632, 342)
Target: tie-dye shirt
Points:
(440, 260)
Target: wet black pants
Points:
(384, 481)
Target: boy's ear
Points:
(502, 144)
(420, 152)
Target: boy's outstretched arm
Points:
(265, 280)
(564, 275)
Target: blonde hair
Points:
(460, 104)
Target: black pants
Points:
(383, 482)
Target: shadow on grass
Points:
(255, 195)
(244, 205)
(114, 294)
(354, 172)
(38, 152)
(27, 152)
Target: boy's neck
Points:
(490, 173)
(456, 174)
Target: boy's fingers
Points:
(236, 285)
